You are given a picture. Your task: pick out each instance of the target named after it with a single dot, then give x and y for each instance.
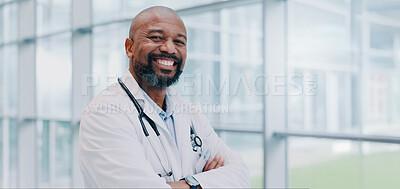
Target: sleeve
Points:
(233, 174)
(110, 154)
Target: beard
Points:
(147, 71)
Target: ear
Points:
(129, 47)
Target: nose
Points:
(168, 47)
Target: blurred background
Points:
(310, 88)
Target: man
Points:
(114, 148)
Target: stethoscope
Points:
(196, 141)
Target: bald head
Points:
(153, 15)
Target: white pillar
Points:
(81, 68)
(274, 15)
(27, 156)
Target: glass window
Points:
(53, 15)
(44, 146)
(104, 10)
(322, 95)
(54, 76)
(388, 9)
(1, 25)
(55, 153)
(380, 86)
(316, 36)
(2, 81)
(1, 152)
(63, 153)
(224, 65)
(13, 150)
(380, 165)
(320, 163)
(199, 82)
(9, 22)
(10, 55)
(109, 58)
(241, 51)
(251, 152)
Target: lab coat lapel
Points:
(182, 128)
(152, 113)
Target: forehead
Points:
(167, 23)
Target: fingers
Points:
(215, 163)
(207, 165)
(220, 163)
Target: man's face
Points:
(160, 50)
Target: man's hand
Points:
(211, 164)
(179, 184)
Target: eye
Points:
(156, 38)
(179, 42)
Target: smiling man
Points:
(146, 136)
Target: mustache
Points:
(152, 56)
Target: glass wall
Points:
(341, 59)
(8, 94)
(344, 53)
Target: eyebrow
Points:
(161, 31)
(156, 31)
(181, 35)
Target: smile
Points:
(165, 62)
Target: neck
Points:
(155, 93)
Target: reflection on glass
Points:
(63, 135)
(321, 163)
(53, 15)
(250, 147)
(109, 58)
(9, 23)
(54, 76)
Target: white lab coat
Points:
(114, 152)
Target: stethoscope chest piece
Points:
(196, 141)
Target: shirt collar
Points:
(170, 106)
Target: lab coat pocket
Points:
(202, 161)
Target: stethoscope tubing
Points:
(146, 133)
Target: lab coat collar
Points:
(132, 85)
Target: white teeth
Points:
(166, 62)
